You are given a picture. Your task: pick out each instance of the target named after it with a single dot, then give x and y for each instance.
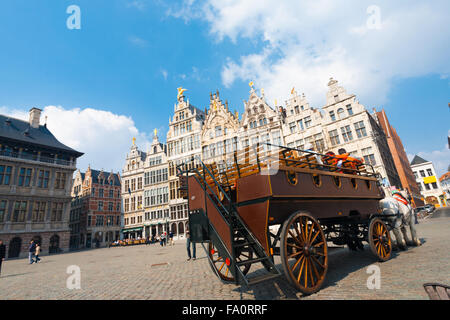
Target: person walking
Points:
(31, 250)
(188, 245)
(37, 252)
(2, 254)
(171, 238)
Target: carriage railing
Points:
(251, 160)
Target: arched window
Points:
(14, 247)
(340, 113)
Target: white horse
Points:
(403, 218)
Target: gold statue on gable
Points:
(180, 92)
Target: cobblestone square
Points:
(155, 272)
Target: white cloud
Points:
(139, 42)
(304, 43)
(138, 4)
(104, 137)
(164, 73)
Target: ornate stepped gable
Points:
(219, 115)
(260, 121)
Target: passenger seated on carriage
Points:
(310, 148)
(343, 161)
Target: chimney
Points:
(35, 117)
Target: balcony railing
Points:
(35, 157)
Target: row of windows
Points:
(341, 113)
(20, 209)
(422, 173)
(101, 193)
(219, 148)
(156, 196)
(428, 186)
(158, 214)
(183, 145)
(100, 220)
(25, 177)
(254, 124)
(130, 204)
(155, 176)
(346, 132)
(128, 188)
(182, 128)
(100, 206)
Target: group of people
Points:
(164, 238)
(342, 160)
(34, 250)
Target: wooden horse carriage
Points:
(269, 200)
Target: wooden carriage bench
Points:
(437, 291)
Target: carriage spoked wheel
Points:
(380, 240)
(219, 264)
(304, 252)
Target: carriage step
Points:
(250, 261)
(262, 278)
(239, 245)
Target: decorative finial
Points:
(155, 132)
(293, 89)
(262, 91)
(134, 141)
(250, 84)
(180, 92)
(276, 102)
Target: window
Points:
(347, 133)
(434, 184)
(60, 181)
(20, 208)
(218, 130)
(307, 121)
(430, 173)
(43, 179)
(3, 204)
(93, 192)
(319, 143)
(57, 211)
(99, 221)
(336, 98)
(276, 138)
(255, 140)
(127, 205)
(262, 121)
(296, 110)
(111, 193)
(5, 174)
(127, 186)
(39, 211)
(368, 156)
(415, 175)
(110, 206)
(334, 137)
(100, 193)
(340, 113)
(25, 177)
(100, 206)
(349, 109)
(89, 221)
(139, 183)
(332, 116)
(292, 127)
(300, 124)
(133, 184)
(427, 186)
(360, 129)
(422, 173)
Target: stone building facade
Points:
(133, 193)
(429, 185)
(95, 217)
(183, 146)
(35, 184)
(156, 190)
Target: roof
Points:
(418, 160)
(96, 173)
(445, 176)
(20, 131)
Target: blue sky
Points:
(129, 57)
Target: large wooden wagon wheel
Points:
(220, 266)
(380, 240)
(304, 252)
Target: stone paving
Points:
(155, 272)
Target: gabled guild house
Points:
(35, 185)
